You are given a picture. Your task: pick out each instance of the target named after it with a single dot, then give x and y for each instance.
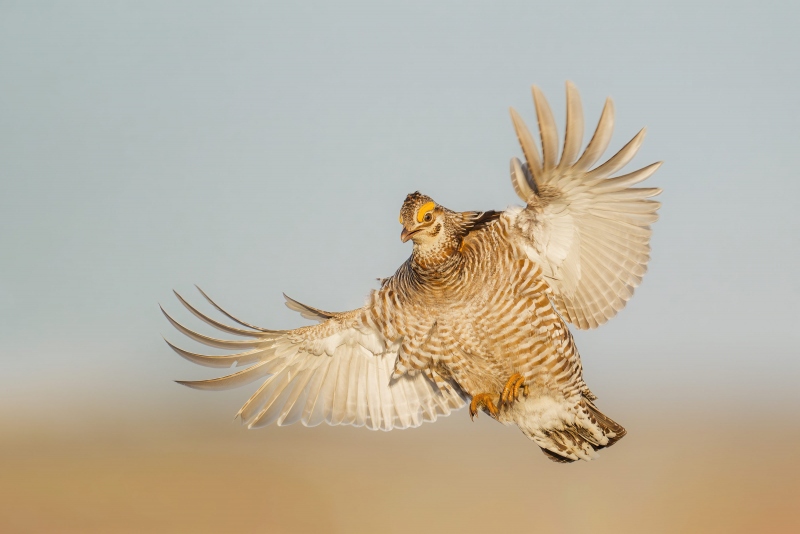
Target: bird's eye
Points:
(428, 217)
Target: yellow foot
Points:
(514, 388)
(482, 400)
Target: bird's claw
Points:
(515, 386)
(482, 400)
(513, 389)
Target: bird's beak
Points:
(405, 235)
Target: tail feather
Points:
(578, 438)
(613, 430)
(557, 458)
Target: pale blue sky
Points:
(254, 148)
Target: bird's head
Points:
(423, 220)
(432, 227)
(437, 232)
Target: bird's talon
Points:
(514, 386)
(482, 400)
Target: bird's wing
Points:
(338, 372)
(589, 232)
(308, 312)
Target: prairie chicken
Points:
(478, 314)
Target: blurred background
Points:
(259, 147)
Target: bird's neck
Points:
(437, 263)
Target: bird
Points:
(479, 313)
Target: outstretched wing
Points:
(338, 371)
(308, 312)
(589, 232)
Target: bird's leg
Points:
(482, 400)
(515, 386)
(511, 392)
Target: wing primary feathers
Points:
(528, 145)
(573, 134)
(620, 159)
(600, 139)
(634, 193)
(589, 233)
(216, 324)
(240, 358)
(307, 311)
(634, 219)
(547, 130)
(229, 381)
(217, 306)
(620, 183)
(214, 342)
(520, 183)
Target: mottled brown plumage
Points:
(477, 313)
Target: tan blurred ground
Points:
(213, 476)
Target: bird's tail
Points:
(577, 438)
